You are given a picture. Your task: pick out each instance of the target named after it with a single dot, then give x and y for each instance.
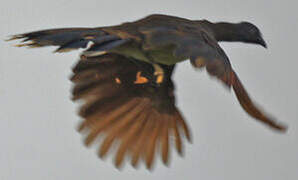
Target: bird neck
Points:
(223, 31)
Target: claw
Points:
(117, 80)
(159, 73)
(140, 79)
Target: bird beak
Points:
(262, 42)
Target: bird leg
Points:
(158, 71)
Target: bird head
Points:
(251, 34)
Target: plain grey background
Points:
(38, 120)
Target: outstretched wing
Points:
(73, 38)
(122, 101)
(198, 46)
(203, 51)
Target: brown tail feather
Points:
(93, 105)
(100, 122)
(118, 129)
(165, 138)
(104, 148)
(250, 107)
(86, 90)
(151, 145)
(177, 136)
(130, 137)
(181, 122)
(139, 145)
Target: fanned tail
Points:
(122, 103)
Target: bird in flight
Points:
(124, 79)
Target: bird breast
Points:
(162, 55)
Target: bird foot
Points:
(159, 73)
(140, 79)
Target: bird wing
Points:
(73, 38)
(203, 51)
(198, 46)
(122, 101)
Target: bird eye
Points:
(253, 30)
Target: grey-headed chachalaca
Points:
(124, 78)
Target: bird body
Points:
(125, 78)
(153, 37)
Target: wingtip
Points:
(279, 127)
(63, 50)
(21, 45)
(14, 37)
